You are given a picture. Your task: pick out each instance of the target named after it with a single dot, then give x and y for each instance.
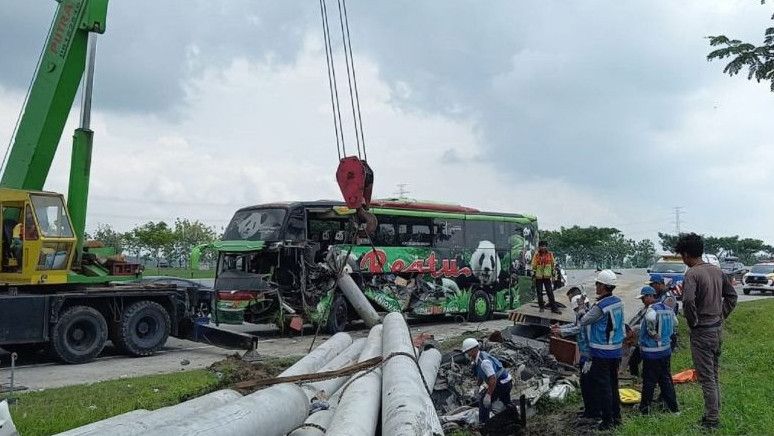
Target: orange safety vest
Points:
(543, 265)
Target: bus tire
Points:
(480, 306)
(337, 316)
(79, 335)
(143, 329)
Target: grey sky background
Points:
(594, 112)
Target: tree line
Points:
(598, 247)
(155, 241)
(748, 250)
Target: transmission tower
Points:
(678, 212)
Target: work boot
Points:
(556, 310)
(542, 309)
(709, 425)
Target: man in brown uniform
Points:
(708, 299)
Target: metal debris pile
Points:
(535, 372)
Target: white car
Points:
(760, 278)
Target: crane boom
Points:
(52, 93)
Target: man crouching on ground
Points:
(489, 370)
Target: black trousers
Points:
(540, 285)
(502, 392)
(657, 371)
(634, 362)
(586, 387)
(604, 379)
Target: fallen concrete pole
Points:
(272, 411)
(133, 423)
(323, 389)
(358, 300)
(406, 406)
(315, 425)
(320, 356)
(357, 411)
(429, 363)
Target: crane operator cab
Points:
(37, 237)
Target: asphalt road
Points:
(41, 372)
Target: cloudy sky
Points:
(590, 113)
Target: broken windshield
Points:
(256, 225)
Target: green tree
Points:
(155, 238)
(644, 253)
(758, 60)
(108, 236)
(188, 234)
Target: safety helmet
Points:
(606, 277)
(469, 344)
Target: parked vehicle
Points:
(426, 259)
(760, 278)
(734, 269)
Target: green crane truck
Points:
(53, 292)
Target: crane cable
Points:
(332, 86)
(354, 96)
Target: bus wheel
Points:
(143, 329)
(480, 307)
(337, 317)
(79, 335)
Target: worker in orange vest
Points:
(543, 270)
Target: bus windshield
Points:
(256, 225)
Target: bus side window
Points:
(448, 233)
(477, 231)
(414, 232)
(385, 233)
(502, 234)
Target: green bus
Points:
(424, 259)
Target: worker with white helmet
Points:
(489, 370)
(604, 324)
(579, 305)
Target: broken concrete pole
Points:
(358, 300)
(132, 423)
(320, 356)
(406, 406)
(273, 411)
(430, 362)
(357, 412)
(323, 389)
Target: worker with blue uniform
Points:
(604, 324)
(490, 371)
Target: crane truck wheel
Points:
(79, 335)
(143, 329)
(337, 317)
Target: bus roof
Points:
(417, 207)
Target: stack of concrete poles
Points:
(395, 389)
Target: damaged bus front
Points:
(274, 264)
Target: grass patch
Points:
(180, 272)
(747, 387)
(56, 410)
